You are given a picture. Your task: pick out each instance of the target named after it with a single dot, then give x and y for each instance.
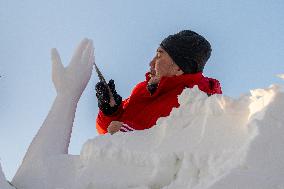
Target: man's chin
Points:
(154, 79)
(152, 74)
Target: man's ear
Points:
(179, 72)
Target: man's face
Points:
(162, 65)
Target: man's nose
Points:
(152, 63)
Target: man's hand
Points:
(71, 81)
(108, 99)
(114, 126)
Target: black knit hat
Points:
(189, 50)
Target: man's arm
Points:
(108, 111)
(103, 121)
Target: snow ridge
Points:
(197, 145)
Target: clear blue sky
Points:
(247, 38)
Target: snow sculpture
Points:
(3, 183)
(52, 140)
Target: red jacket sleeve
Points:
(210, 86)
(103, 121)
(215, 86)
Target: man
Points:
(178, 64)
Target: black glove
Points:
(152, 87)
(102, 94)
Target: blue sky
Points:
(246, 37)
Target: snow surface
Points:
(264, 165)
(201, 144)
(196, 145)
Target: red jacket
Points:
(141, 110)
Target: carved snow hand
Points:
(71, 81)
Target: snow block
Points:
(201, 144)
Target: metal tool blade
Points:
(100, 75)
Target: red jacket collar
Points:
(168, 83)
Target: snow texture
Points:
(3, 182)
(199, 145)
(208, 142)
(264, 165)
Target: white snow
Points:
(200, 145)
(3, 182)
(264, 165)
(211, 142)
(192, 148)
